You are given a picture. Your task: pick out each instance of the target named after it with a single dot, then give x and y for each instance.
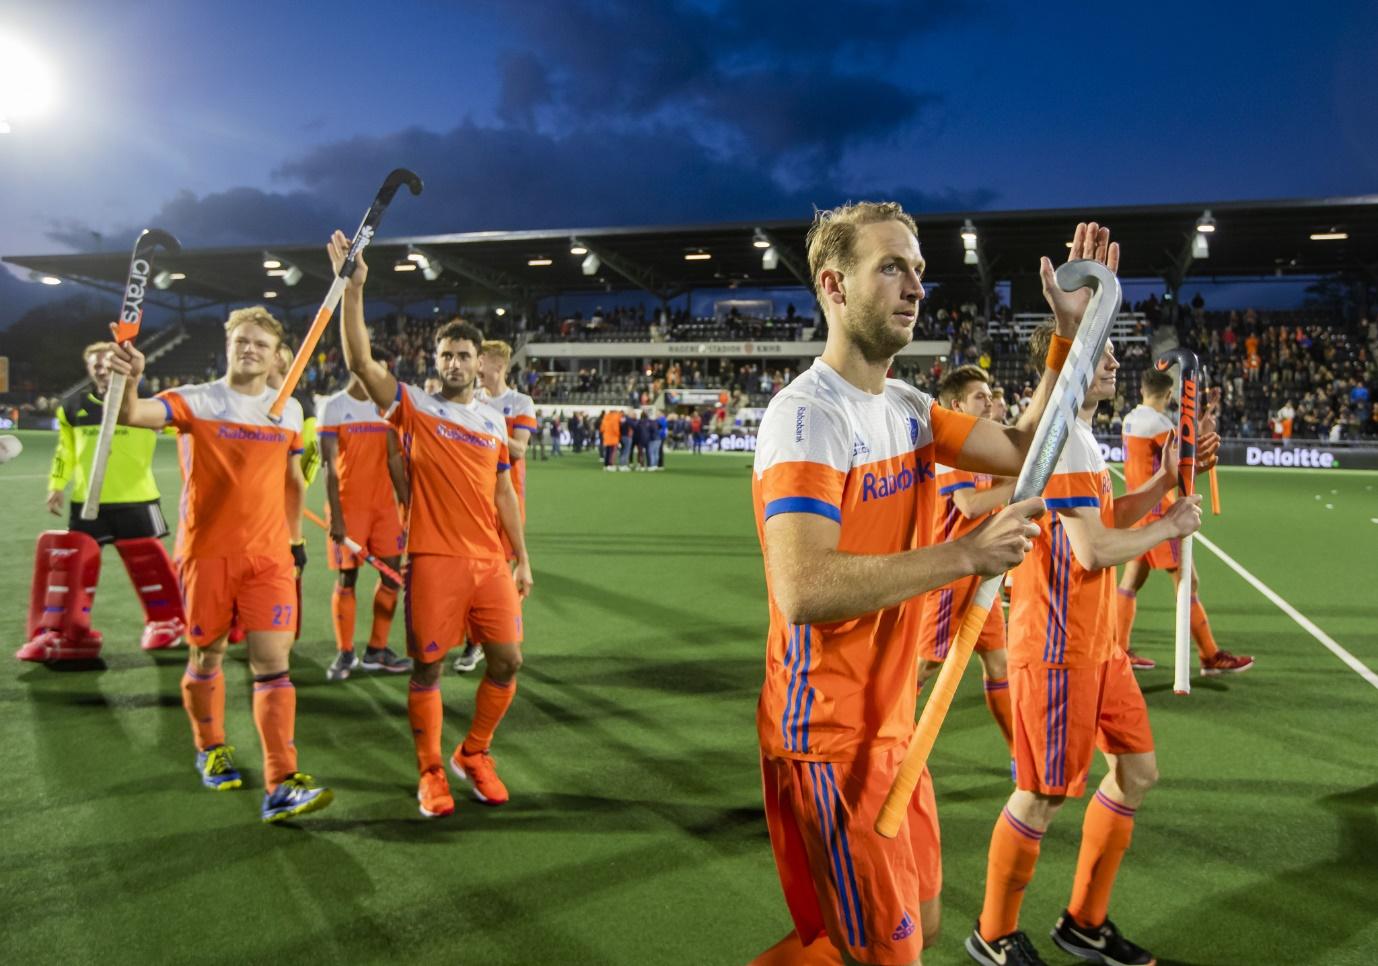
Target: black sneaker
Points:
(1013, 949)
(1103, 944)
(384, 659)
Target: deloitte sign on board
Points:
(1297, 455)
(1277, 456)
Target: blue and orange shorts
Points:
(376, 528)
(447, 597)
(259, 592)
(1165, 556)
(1062, 714)
(941, 614)
(838, 875)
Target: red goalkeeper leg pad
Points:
(66, 570)
(150, 569)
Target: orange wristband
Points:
(1058, 350)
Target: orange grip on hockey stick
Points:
(1215, 492)
(930, 721)
(354, 548)
(303, 356)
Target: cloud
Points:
(617, 112)
(772, 75)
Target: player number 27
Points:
(282, 614)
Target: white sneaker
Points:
(468, 658)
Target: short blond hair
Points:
(832, 239)
(256, 315)
(496, 347)
(97, 348)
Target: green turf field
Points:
(635, 833)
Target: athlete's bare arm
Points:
(517, 443)
(378, 382)
(330, 449)
(1000, 450)
(814, 583)
(1097, 546)
(510, 514)
(144, 413)
(973, 503)
(397, 469)
(296, 496)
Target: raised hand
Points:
(1090, 240)
(125, 359)
(338, 249)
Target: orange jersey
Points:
(455, 452)
(611, 427)
(361, 446)
(234, 470)
(1060, 613)
(838, 691)
(948, 522)
(1146, 432)
(518, 412)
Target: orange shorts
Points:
(1165, 556)
(838, 875)
(449, 596)
(1061, 714)
(377, 529)
(941, 617)
(259, 592)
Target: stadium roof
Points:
(1251, 239)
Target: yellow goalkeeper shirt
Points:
(128, 475)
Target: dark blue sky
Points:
(254, 122)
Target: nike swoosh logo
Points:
(1093, 943)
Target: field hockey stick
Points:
(364, 235)
(1049, 439)
(125, 331)
(353, 547)
(1186, 481)
(1215, 491)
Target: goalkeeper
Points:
(67, 564)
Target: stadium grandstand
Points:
(717, 318)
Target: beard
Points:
(868, 324)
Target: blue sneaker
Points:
(297, 795)
(216, 766)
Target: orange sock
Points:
(998, 700)
(1009, 869)
(1127, 604)
(490, 704)
(1201, 631)
(1105, 835)
(384, 606)
(275, 714)
(203, 695)
(342, 605)
(791, 951)
(426, 712)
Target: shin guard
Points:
(66, 570)
(150, 569)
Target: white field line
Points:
(1357, 666)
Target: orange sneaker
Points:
(434, 794)
(1141, 663)
(482, 777)
(1223, 662)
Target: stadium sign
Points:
(1266, 453)
(706, 350)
